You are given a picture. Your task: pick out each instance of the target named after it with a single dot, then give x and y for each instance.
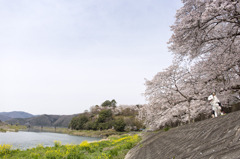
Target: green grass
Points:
(115, 147)
(17, 127)
(141, 145)
(167, 128)
(95, 133)
(13, 128)
(89, 133)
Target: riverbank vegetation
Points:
(97, 133)
(87, 133)
(115, 147)
(4, 127)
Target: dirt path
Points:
(213, 138)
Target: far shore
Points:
(10, 128)
(85, 133)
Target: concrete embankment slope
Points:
(209, 139)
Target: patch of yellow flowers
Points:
(5, 149)
(99, 149)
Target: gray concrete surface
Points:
(216, 138)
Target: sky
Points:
(62, 57)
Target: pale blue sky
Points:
(61, 57)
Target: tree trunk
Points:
(189, 120)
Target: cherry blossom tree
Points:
(207, 32)
(204, 26)
(173, 96)
(205, 45)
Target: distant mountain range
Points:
(15, 114)
(4, 117)
(24, 118)
(44, 120)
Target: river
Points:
(23, 140)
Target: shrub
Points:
(127, 128)
(103, 126)
(119, 125)
(78, 122)
(104, 115)
(82, 119)
(139, 124)
(94, 125)
(87, 126)
(73, 124)
(129, 121)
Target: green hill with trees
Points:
(108, 116)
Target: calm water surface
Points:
(24, 140)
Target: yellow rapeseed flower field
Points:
(106, 149)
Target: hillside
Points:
(4, 117)
(2, 123)
(17, 114)
(212, 138)
(44, 120)
(64, 120)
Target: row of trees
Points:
(206, 48)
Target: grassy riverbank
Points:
(88, 133)
(11, 128)
(115, 147)
(97, 133)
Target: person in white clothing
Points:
(216, 105)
